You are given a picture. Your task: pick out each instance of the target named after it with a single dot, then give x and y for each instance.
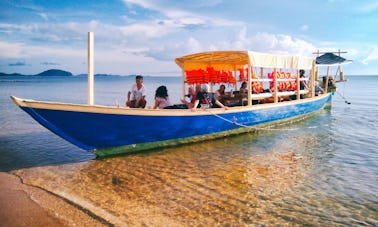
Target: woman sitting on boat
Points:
(220, 97)
(161, 98)
(244, 90)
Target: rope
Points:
(234, 122)
(346, 101)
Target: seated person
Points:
(190, 98)
(318, 89)
(137, 93)
(219, 97)
(331, 82)
(244, 90)
(302, 85)
(202, 97)
(161, 98)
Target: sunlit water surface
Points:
(319, 171)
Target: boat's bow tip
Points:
(16, 100)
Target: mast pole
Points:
(341, 70)
(90, 69)
(249, 71)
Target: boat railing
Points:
(292, 90)
(261, 80)
(279, 80)
(265, 95)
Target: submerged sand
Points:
(23, 205)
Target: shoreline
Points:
(25, 205)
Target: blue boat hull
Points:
(91, 130)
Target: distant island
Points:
(56, 72)
(50, 72)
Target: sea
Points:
(320, 171)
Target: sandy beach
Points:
(23, 205)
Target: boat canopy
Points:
(329, 59)
(234, 60)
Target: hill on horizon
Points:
(56, 72)
(50, 72)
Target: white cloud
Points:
(304, 27)
(271, 43)
(44, 16)
(369, 7)
(145, 4)
(11, 50)
(371, 57)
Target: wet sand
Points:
(23, 205)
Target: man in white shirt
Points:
(137, 93)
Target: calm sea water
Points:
(320, 171)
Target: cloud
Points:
(170, 51)
(270, 43)
(369, 7)
(11, 50)
(44, 16)
(18, 63)
(182, 18)
(304, 27)
(371, 57)
(25, 5)
(49, 63)
(156, 40)
(261, 42)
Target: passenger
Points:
(191, 98)
(318, 89)
(303, 84)
(220, 94)
(331, 82)
(137, 93)
(161, 98)
(244, 90)
(202, 97)
(219, 97)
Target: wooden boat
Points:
(112, 130)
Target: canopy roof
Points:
(329, 59)
(233, 60)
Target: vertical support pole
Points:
(317, 68)
(326, 82)
(183, 83)
(275, 93)
(298, 84)
(249, 71)
(90, 69)
(312, 79)
(340, 70)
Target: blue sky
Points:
(145, 36)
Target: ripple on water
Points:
(237, 181)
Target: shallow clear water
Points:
(320, 171)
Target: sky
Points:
(145, 36)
